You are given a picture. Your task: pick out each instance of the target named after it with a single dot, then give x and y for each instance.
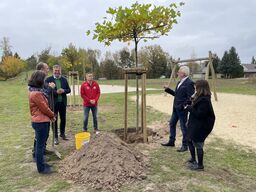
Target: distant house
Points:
(200, 71)
(249, 70)
(201, 74)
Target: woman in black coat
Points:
(200, 123)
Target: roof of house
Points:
(249, 68)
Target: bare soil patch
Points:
(235, 116)
(134, 136)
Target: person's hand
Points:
(165, 86)
(92, 101)
(60, 91)
(52, 85)
(53, 119)
(188, 107)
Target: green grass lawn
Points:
(229, 167)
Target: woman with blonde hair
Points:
(200, 123)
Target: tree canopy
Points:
(155, 59)
(71, 56)
(11, 66)
(253, 60)
(140, 21)
(6, 47)
(230, 64)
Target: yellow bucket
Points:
(82, 139)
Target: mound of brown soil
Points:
(106, 163)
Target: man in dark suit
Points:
(184, 90)
(60, 100)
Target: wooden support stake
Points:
(172, 75)
(143, 108)
(213, 76)
(70, 82)
(74, 91)
(125, 105)
(207, 72)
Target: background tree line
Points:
(109, 65)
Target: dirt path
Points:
(235, 116)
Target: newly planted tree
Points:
(136, 23)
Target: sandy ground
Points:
(235, 116)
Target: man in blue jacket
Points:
(184, 90)
(60, 100)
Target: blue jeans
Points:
(182, 116)
(94, 115)
(41, 132)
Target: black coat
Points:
(201, 119)
(182, 94)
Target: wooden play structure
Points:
(73, 77)
(139, 72)
(209, 59)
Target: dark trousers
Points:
(180, 115)
(196, 147)
(94, 115)
(47, 136)
(41, 131)
(60, 108)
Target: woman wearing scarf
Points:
(41, 115)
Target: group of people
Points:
(48, 100)
(193, 99)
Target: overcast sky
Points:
(216, 25)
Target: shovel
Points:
(57, 153)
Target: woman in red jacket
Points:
(90, 92)
(41, 115)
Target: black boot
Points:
(199, 166)
(182, 148)
(191, 147)
(200, 156)
(169, 144)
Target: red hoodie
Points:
(90, 92)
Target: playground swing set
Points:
(209, 67)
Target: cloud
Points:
(216, 25)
